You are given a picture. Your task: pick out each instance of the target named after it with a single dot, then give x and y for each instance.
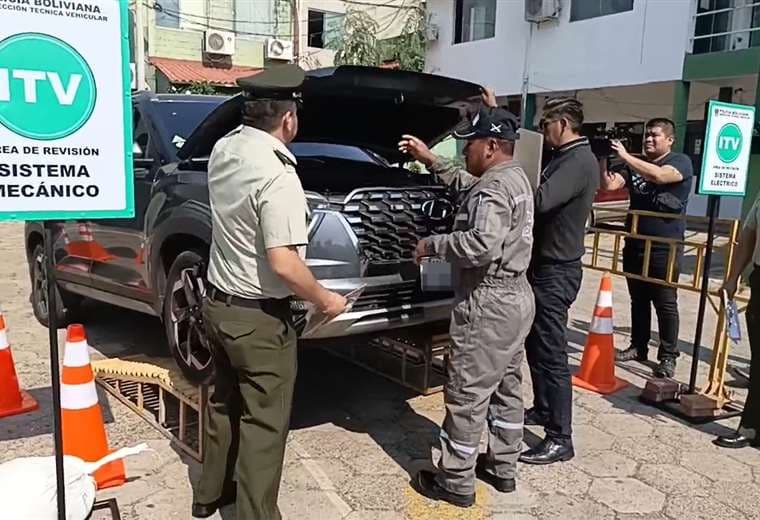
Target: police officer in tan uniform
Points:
(259, 233)
(489, 249)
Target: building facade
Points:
(321, 25)
(627, 60)
(211, 42)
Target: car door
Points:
(118, 261)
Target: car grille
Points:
(389, 222)
(397, 295)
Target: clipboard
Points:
(733, 327)
(316, 319)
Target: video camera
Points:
(602, 146)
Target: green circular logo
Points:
(729, 144)
(47, 90)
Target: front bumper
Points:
(377, 320)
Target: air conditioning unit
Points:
(279, 49)
(538, 11)
(219, 42)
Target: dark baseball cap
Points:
(490, 122)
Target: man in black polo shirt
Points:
(563, 202)
(660, 182)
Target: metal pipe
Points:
(725, 10)
(713, 208)
(727, 33)
(55, 378)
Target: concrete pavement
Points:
(356, 438)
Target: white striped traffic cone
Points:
(597, 371)
(13, 400)
(84, 432)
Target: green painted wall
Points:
(753, 184)
(188, 45)
(720, 65)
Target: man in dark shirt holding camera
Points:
(661, 182)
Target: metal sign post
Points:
(55, 378)
(725, 159)
(65, 116)
(713, 209)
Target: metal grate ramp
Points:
(156, 390)
(417, 361)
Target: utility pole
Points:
(526, 78)
(140, 44)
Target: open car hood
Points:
(359, 106)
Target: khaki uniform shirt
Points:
(493, 229)
(257, 203)
(752, 222)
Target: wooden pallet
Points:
(156, 390)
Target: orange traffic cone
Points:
(597, 372)
(84, 433)
(13, 400)
(95, 251)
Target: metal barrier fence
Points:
(721, 237)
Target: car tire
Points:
(183, 320)
(66, 303)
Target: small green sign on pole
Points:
(725, 157)
(65, 111)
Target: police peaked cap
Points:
(283, 82)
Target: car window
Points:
(179, 118)
(335, 151)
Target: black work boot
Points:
(741, 438)
(632, 353)
(206, 510)
(504, 485)
(424, 482)
(666, 368)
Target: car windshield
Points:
(179, 118)
(335, 151)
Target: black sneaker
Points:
(631, 354)
(666, 368)
(504, 485)
(424, 482)
(535, 418)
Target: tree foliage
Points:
(409, 48)
(359, 44)
(200, 87)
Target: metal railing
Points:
(735, 27)
(605, 256)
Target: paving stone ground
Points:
(356, 438)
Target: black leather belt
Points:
(265, 304)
